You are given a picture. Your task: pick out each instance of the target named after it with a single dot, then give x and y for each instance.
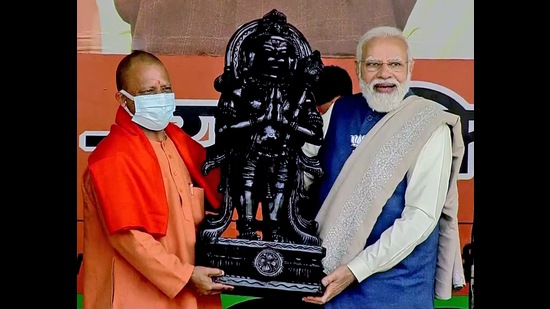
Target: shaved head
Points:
(136, 57)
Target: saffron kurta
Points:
(133, 263)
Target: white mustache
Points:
(379, 81)
(384, 102)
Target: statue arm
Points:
(307, 120)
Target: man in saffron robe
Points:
(388, 197)
(143, 200)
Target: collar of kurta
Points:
(128, 180)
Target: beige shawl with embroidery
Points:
(369, 177)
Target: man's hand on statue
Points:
(203, 282)
(334, 284)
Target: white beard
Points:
(384, 102)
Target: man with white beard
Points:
(388, 199)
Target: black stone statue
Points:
(265, 114)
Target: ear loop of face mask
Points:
(129, 96)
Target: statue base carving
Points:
(263, 268)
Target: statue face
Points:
(275, 58)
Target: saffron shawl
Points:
(369, 177)
(128, 180)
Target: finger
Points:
(326, 281)
(222, 287)
(215, 272)
(313, 300)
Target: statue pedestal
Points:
(264, 268)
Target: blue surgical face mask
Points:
(153, 111)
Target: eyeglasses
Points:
(375, 66)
